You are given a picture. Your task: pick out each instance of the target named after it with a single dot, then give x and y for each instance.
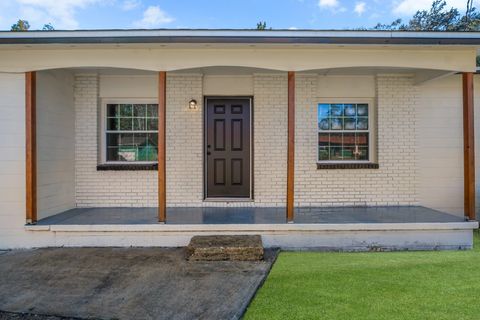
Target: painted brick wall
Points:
(393, 184)
(103, 188)
(184, 141)
(139, 188)
(270, 139)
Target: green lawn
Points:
(389, 285)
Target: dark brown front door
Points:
(228, 148)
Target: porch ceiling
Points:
(421, 75)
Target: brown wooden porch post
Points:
(291, 146)
(468, 146)
(31, 146)
(162, 179)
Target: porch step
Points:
(225, 247)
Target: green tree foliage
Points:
(262, 25)
(23, 25)
(438, 18)
(20, 25)
(48, 27)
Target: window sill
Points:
(321, 166)
(127, 167)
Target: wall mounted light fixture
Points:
(192, 105)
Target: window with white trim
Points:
(343, 132)
(131, 132)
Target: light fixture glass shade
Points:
(192, 105)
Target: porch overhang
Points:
(154, 58)
(281, 50)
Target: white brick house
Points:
(376, 127)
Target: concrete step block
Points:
(225, 248)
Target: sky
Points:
(210, 14)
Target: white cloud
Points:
(128, 5)
(328, 4)
(332, 5)
(409, 7)
(153, 17)
(360, 8)
(61, 13)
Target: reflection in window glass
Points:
(131, 132)
(343, 132)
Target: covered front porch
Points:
(284, 178)
(363, 206)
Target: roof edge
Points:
(240, 36)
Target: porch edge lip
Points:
(280, 36)
(185, 228)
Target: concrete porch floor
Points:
(216, 215)
(334, 228)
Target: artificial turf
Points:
(377, 285)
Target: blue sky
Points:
(279, 14)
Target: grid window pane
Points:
(363, 153)
(140, 139)
(112, 154)
(139, 110)
(323, 153)
(152, 139)
(336, 139)
(343, 132)
(126, 140)
(131, 132)
(139, 124)
(336, 110)
(112, 110)
(152, 124)
(323, 110)
(324, 123)
(112, 124)
(324, 139)
(348, 153)
(362, 139)
(349, 139)
(350, 110)
(125, 124)
(350, 124)
(362, 109)
(113, 139)
(125, 110)
(362, 123)
(152, 110)
(337, 124)
(147, 153)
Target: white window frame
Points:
(103, 127)
(372, 113)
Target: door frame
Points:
(204, 144)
